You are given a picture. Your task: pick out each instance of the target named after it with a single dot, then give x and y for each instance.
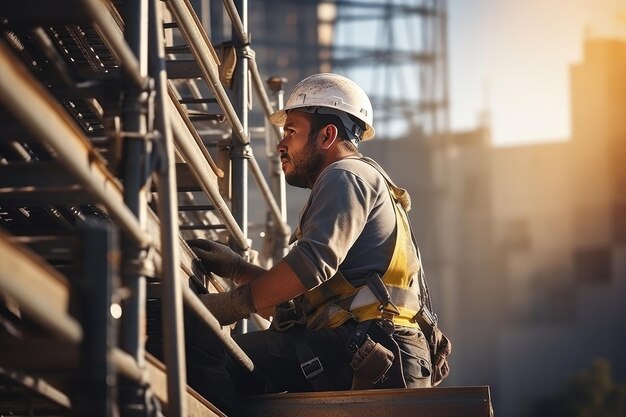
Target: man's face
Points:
(301, 159)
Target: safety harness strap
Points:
(310, 364)
(402, 196)
(400, 296)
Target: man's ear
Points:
(330, 136)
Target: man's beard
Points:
(306, 167)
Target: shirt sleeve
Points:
(339, 207)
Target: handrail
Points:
(262, 95)
(233, 13)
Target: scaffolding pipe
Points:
(126, 366)
(23, 96)
(277, 177)
(96, 287)
(195, 35)
(240, 152)
(201, 171)
(240, 30)
(135, 163)
(262, 95)
(198, 41)
(110, 32)
(171, 296)
(238, 26)
(269, 197)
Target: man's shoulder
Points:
(351, 170)
(355, 165)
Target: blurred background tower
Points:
(397, 50)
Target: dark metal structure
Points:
(98, 145)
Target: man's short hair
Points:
(319, 120)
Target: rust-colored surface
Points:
(422, 402)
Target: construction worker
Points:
(349, 299)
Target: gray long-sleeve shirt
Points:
(348, 224)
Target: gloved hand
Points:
(231, 306)
(218, 258)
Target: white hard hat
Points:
(332, 94)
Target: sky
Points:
(512, 57)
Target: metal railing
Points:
(141, 59)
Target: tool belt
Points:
(376, 357)
(438, 343)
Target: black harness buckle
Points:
(312, 368)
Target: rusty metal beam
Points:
(41, 291)
(417, 402)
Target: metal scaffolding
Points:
(399, 50)
(100, 140)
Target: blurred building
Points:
(562, 217)
(525, 247)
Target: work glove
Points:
(442, 349)
(231, 306)
(218, 258)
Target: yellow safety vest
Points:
(335, 301)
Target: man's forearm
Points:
(275, 286)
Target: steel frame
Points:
(151, 245)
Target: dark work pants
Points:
(277, 367)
